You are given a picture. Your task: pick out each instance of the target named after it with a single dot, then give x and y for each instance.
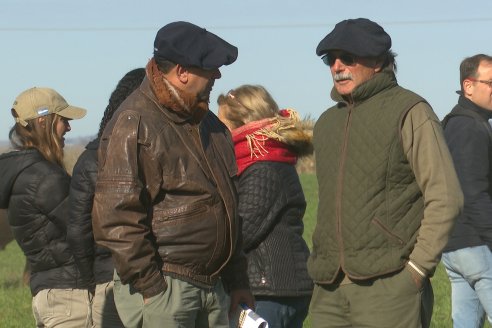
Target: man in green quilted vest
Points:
(388, 190)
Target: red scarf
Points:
(253, 143)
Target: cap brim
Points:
(72, 112)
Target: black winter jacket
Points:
(35, 192)
(272, 205)
(467, 136)
(94, 262)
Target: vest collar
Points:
(381, 81)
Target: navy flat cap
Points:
(190, 45)
(361, 37)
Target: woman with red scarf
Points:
(267, 143)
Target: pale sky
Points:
(81, 49)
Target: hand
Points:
(239, 296)
(417, 278)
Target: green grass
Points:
(310, 188)
(15, 298)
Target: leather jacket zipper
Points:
(196, 130)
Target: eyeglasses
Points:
(488, 82)
(346, 58)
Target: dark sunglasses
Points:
(346, 58)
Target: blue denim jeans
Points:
(470, 273)
(283, 312)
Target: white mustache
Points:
(340, 76)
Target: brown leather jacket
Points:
(166, 197)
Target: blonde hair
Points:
(41, 136)
(247, 103)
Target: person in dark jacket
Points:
(34, 187)
(166, 199)
(467, 256)
(267, 143)
(94, 262)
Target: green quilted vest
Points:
(370, 205)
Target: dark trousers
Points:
(283, 312)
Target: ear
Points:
(42, 121)
(182, 74)
(378, 66)
(467, 87)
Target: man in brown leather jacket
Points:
(165, 202)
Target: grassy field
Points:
(15, 298)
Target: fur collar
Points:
(179, 101)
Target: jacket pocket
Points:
(394, 238)
(192, 236)
(125, 185)
(184, 211)
(256, 270)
